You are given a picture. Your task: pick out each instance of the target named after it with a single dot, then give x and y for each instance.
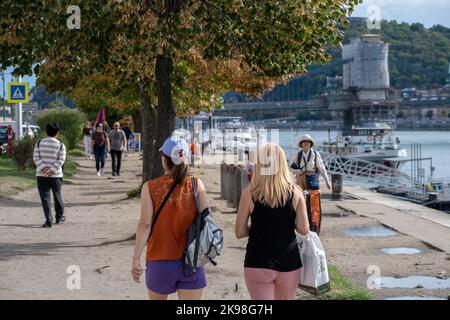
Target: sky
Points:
(8, 78)
(427, 12)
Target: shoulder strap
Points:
(309, 155)
(299, 157)
(163, 203)
(39, 149)
(315, 160)
(194, 186)
(198, 226)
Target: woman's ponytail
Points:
(179, 171)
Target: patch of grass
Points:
(70, 167)
(76, 153)
(135, 192)
(14, 180)
(343, 289)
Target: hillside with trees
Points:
(418, 57)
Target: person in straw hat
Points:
(308, 165)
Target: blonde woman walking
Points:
(276, 208)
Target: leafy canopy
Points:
(215, 45)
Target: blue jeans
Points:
(100, 156)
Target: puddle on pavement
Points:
(369, 231)
(415, 281)
(335, 214)
(401, 250)
(415, 298)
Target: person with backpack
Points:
(100, 146)
(168, 209)
(308, 165)
(49, 156)
(118, 145)
(128, 133)
(276, 208)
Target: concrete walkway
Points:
(429, 225)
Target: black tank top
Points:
(272, 242)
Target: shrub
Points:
(22, 153)
(70, 122)
(23, 150)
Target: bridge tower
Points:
(366, 77)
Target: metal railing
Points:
(386, 178)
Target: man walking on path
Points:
(49, 156)
(118, 144)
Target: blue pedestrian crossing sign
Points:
(18, 92)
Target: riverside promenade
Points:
(98, 239)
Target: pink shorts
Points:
(268, 284)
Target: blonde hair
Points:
(272, 182)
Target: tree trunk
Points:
(149, 129)
(166, 109)
(159, 125)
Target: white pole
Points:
(18, 109)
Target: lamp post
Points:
(4, 98)
(18, 116)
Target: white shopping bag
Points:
(314, 272)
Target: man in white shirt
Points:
(49, 156)
(308, 164)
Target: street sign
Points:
(18, 92)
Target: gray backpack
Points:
(205, 238)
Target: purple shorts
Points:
(167, 276)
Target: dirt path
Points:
(34, 261)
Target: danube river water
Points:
(435, 144)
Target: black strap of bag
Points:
(300, 155)
(163, 203)
(197, 233)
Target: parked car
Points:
(3, 134)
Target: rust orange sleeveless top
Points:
(171, 229)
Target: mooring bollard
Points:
(244, 180)
(232, 186)
(336, 186)
(222, 179)
(227, 181)
(238, 189)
